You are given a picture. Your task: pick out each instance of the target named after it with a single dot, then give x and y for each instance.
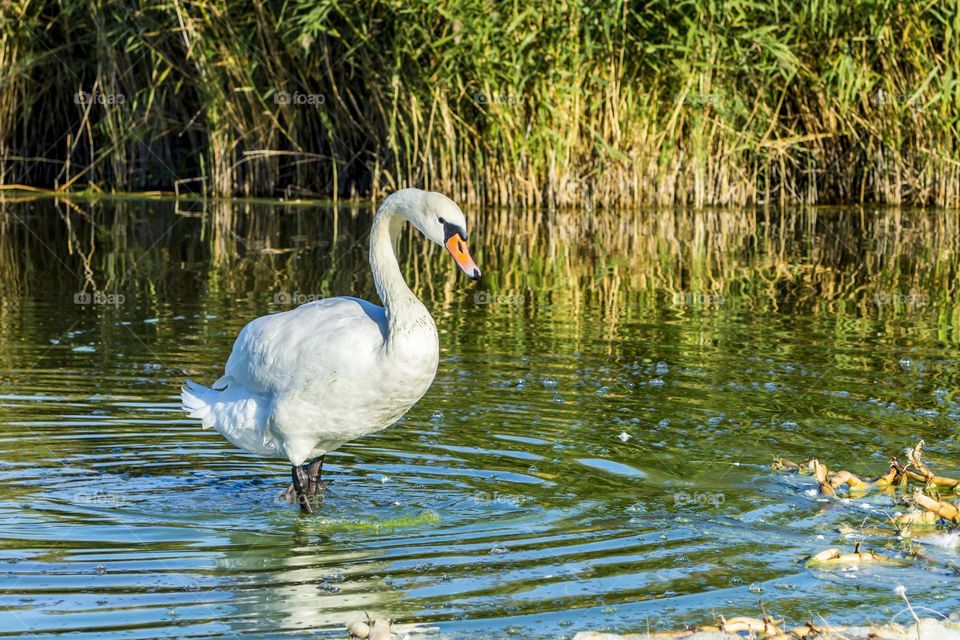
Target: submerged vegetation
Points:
(571, 103)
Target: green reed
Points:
(596, 104)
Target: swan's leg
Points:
(314, 483)
(302, 497)
(311, 484)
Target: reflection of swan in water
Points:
(298, 587)
(302, 383)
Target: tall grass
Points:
(599, 104)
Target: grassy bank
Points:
(596, 103)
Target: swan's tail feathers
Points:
(197, 400)
(240, 415)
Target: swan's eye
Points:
(441, 220)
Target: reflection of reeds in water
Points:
(847, 261)
(825, 259)
(13, 277)
(12, 271)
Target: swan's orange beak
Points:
(457, 247)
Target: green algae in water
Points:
(338, 525)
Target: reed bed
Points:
(600, 104)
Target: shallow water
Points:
(593, 454)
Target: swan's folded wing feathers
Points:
(281, 351)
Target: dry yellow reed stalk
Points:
(942, 509)
(821, 473)
(846, 478)
(833, 557)
(917, 517)
(923, 473)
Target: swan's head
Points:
(440, 219)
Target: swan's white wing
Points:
(286, 351)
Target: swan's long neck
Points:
(405, 312)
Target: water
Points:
(594, 453)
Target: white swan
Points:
(301, 383)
